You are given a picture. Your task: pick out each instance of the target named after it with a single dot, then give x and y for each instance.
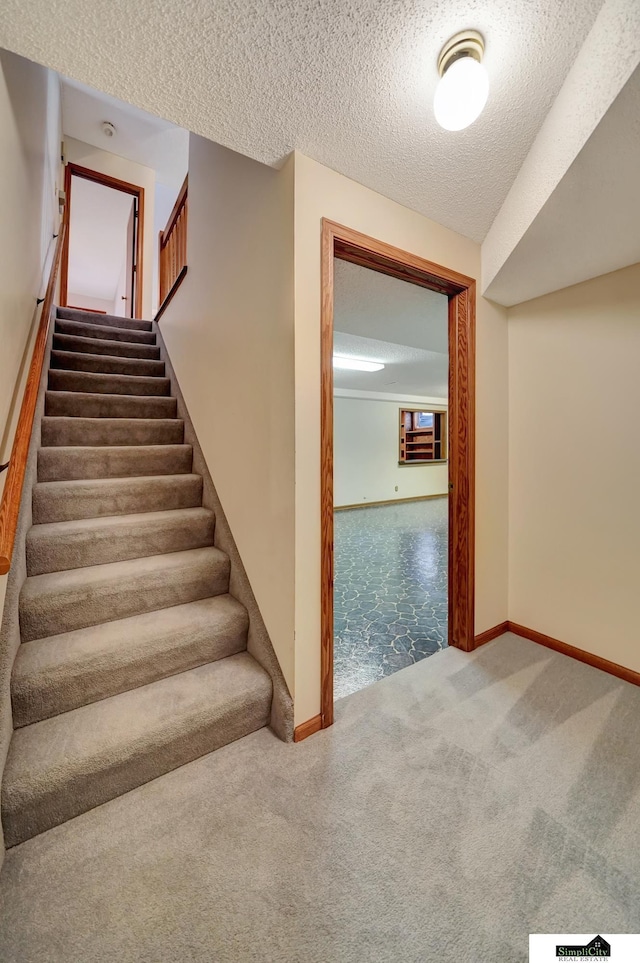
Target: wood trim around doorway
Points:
(75, 170)
(349, 245)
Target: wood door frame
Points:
(349, 245)
(75, 170)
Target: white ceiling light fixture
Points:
(356, 364)
(463, 87)
(108, 129)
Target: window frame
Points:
(441, 416)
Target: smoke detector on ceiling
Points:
(107, 128)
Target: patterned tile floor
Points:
(390, 590)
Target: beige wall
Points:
(229, 333)
(366, 433)
(574, 403)
(29, 160)
(29, 145)
(320, 192)
(103, 161)
(30, 164)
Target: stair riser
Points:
(133, 660)
(66, 432)
(68, 464)
(109, 320)
(41, 695)
(127, 498)
(67, 610)
(87, 382)
(84, 791)
(116, 349)
(72, 361)
(74, 404)
(59, 552)
(81, 330)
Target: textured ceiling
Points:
(407, 371)
(605, 64)
(590, 224)
(347, 82)
(375, 305)
(139, 136)
(379, 318)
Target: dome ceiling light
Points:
(463, 87)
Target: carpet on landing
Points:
(454, 808)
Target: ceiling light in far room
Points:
(356, 364)
(463, 87)
(108, 128)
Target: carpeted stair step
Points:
(63, 672)
(64, 766)
(78, 404)
(64, 501)
(92, 382)
(67, 464)
(116, 349)
(104, 332)
(61, 546)
(61, 431)
(133, 658)
(106, 364)
(110, 320)
(64, 601)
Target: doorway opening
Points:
(101, 267)
(434, 431)
(390, 478)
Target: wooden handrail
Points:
(173, 247)
(10, 505)
(180, 199)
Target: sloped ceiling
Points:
(139, 136)
(590, 224)
(571, 213)
(348, 83)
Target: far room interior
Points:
(390, 370)
(119, 143)
(101, 249)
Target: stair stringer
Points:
(259, 644)
(10, 639)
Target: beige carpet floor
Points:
(454, 808)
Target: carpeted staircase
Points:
(133, 658)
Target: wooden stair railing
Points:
(10, 504)
(173, 249)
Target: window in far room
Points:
(423, 436)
